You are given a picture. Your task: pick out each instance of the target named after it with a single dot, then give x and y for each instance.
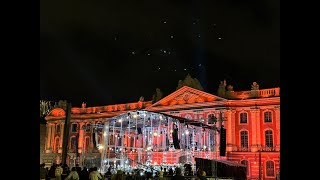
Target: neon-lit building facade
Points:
(251, 119)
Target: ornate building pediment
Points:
(187, 95)
(58, 112)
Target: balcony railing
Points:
(249, 149)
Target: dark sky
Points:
(116, 51)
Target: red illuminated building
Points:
(251, 119)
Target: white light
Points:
(148, 148)
(171, 131)
(204, 147)
(100, 147)
(135, 116)
(155, 133)
(120, 120)
(187, 132)
(104, 134)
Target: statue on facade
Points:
(61, 104)
(222, 88)
(141, 99)
(191, 82)
(156, 97)
(255, 86)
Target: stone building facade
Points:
(251, 119)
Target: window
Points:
(245, 162)
(74, 127)
(267, 116)
(244, 139)
(74, 144)
(56, 144)
(58, 128)
(88, 128)
(188, 116)
(270, 168)
(269, 138)
(87, 144)
(243, 118)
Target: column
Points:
(218, 126)
(233, 129)
(254, 132)
(229, 131)
(257, 112)
(61, 134)
(277, 132)
(105, 143)
(53, 133)
(49, 125)
(80, 140)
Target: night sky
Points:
(113, 52)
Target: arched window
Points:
(269, 138)
(74, 144)
(58, 128)
(87, 144)
(188, 116)
(245, 162)
(74, 127)
(56, 144)
(243, 118)
(267, 116)
(270, 168)
(244, 139)
(88, 128)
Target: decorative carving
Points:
(58, 112)
(186, 96)
(255, 86)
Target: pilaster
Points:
(277, 132)
(61, 137)
(254, 131)
(48, 139)
(81, 137)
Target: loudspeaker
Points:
(175, 139)
(212, 119)
(223, 141)
(139, 130)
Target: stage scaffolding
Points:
(140, 139)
